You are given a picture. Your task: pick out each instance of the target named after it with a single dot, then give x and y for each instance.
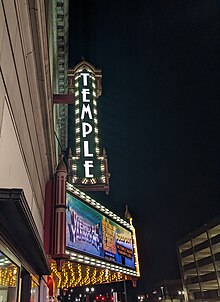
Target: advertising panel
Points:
(93, 233)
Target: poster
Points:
(93, 233)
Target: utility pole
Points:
(125, 291)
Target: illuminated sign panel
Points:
(88, 167)
(93, 233)
(86, 120)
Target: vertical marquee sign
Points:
(87, 168)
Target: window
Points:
(34, 291)
(8, 279)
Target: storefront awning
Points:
(19, 230)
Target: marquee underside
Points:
(72, 274)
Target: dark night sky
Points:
(158, 115)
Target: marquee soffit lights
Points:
(74, 256)
(77, 274)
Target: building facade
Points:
(165, 291)
(199, 258)
(87, 244)
(33, 64)
(35, 259)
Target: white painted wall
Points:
(26, 121)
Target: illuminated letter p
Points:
(86, 129)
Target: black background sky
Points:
(158, 115)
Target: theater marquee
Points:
(88, 168)
(91, 232)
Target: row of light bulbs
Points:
(98, 263)
(98, 206)
(71, 276)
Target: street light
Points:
(181, 293)
(90, 291)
